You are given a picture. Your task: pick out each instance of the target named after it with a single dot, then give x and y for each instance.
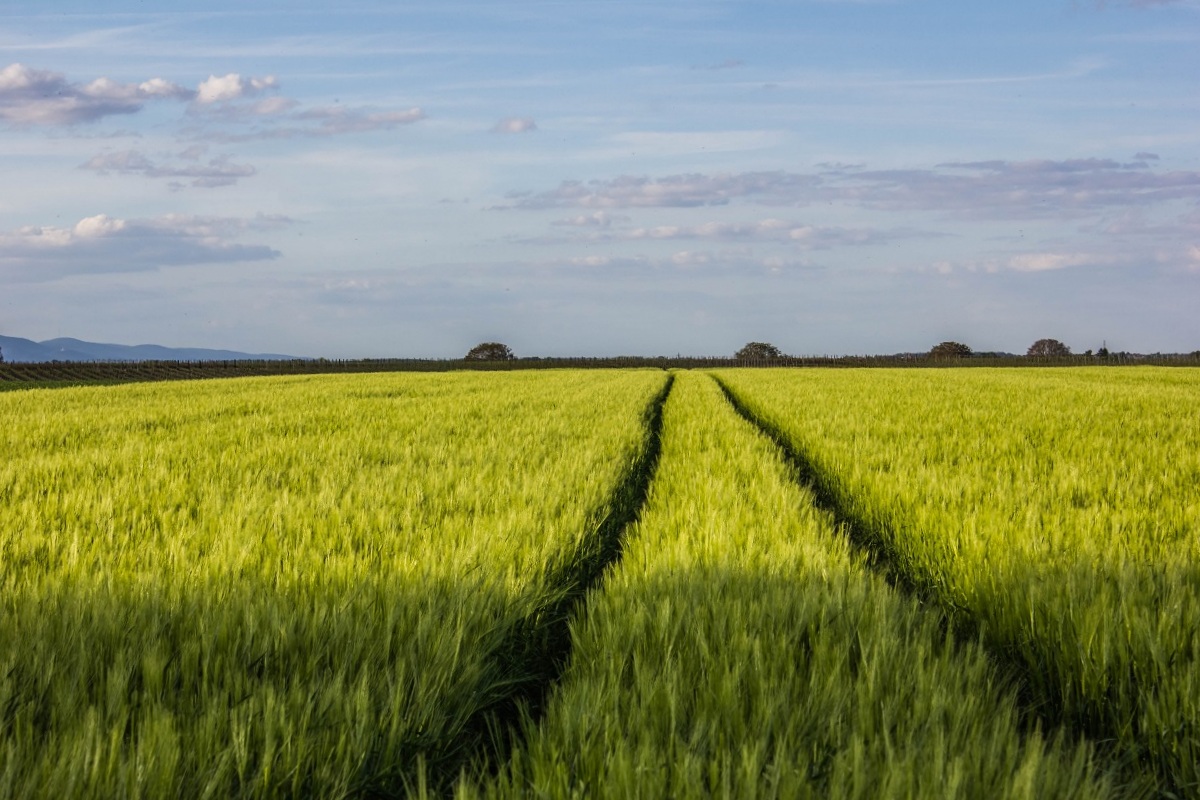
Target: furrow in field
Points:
(1051, 511)
(298, 587)
(536, 649)
(825, 496)
(741, 648)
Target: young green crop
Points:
(286, 586)
(1057, 509)
(740, 649)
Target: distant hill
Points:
(16, 349)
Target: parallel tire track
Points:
(535, 650)
(1038, 710)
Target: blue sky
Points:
(601, 178)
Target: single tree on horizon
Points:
(489, 351)
(1048, 348)
(950, 350)
(758, 351)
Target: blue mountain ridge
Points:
(16, 349)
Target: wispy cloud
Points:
(41, 97)
(1021, 189)
(339, 119)
(244, 112)
(989, 189)
(722, 262)
(215, 172)
(104, 244)
(797, 234)
(1043, 262)
(597, 219)
(678, 191)
(515, 125)
(276, 123)
(1166, 256)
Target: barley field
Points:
(1058, 511)
(287, 587)
(604, 583)
(743, 649)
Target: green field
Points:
(611, 583)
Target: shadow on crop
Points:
(535, 651)
(1040, 700)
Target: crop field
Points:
(1058, 512)
(287, 587)
(609, 583)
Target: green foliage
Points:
(286, 587)
(950, 350)
(1048, 348)
(741, 649)
(347, 586)
(489, 351)
(1054, 510)
(758, 351)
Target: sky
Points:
(601, 177)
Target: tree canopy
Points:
(489, 351)
(950, 350)
(1048, 348)
(758, 351)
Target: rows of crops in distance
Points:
(1058, 509)
(285, 586)
(741, 649)
(21, 375)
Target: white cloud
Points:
(1038, 261)
(1193, 258)
(105, 244)
(232, 87)
(272, 105)
(591, 261)
(690, 258)
(1042, 262)
(515, 125)
(157, 87)
(597, 219)
(41, 97)
(98, 226)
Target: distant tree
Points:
(1103, 352)
(1048, 348)
(489, 351)
(1, 355)
(950, 350)
(758, 351)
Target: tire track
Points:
(535, 651)
(1039, 710)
